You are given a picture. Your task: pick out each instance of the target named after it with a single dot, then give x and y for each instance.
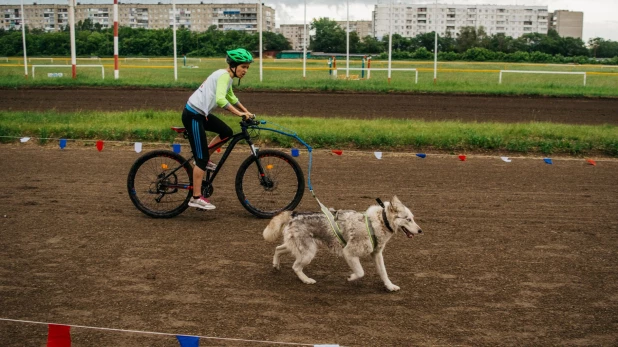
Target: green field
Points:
(453, 77)
(383, 134)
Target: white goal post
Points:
(77, 66)
(542, 72)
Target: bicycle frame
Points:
(233, 140)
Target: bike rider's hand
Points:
(247, 116)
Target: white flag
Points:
(378, 155)
(138, 147)
(506, 159)
(24, 139)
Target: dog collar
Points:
(388, 225)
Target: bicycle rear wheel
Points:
(281, 189)
(160, 185)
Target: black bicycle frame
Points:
(210, 175)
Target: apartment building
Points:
(294, 33)
(361, 27)
(567, 23)
(409, 20)
(195, 17)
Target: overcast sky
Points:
(600, 16)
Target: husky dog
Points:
(302, 232)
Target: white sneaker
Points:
(201, 203)
(211, 166)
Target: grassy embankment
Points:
(385, 134)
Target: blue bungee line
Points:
(294, 135)
(331, 219)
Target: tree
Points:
(329, 36)
(275, 42)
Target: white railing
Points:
(379, 69)
(5, 59)
(50, 59)
(542, 72)
(77, 66)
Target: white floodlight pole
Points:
(305, 43)
(23, 37)
(174, 35)
(260, 28)
(390, 40)
(347, 58)
(435, 48)
(72, 36)
(116, 72)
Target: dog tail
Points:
(274, 229)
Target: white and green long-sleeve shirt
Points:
(215, 91)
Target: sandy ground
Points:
(408, 106)
(520, 253)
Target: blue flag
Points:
(421, 155)
(176, 147)
(188, 341)
(63, 143)
(547, 161)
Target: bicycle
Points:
(160, 183)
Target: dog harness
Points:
(371, 232)
(333, 224)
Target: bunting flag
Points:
(462, 157)
(24, 139)
(506, 159)
(219, 150)
(58, 335)
(547, 161)
(295, 152)
(176, 148)
(421, 155)
(99, 145)
(591, 162)
(378, 155)
(138, 147)
(337, 151)
(63, 143)
(188, 341)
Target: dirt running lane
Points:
(520, 253)
(409, 106)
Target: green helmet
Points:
(238, 56)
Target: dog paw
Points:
(392, 288)
(353, 277)
(309, 281)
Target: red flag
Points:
(58, 336)
(100, 145)
(337, 151)
(462, 157)
(219, 150)
(591, 162)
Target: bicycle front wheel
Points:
(281, 188)
(160, 184)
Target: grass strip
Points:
(383, 134)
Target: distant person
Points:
(197, 119)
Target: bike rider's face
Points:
(241, 70)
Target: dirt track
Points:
(519, 253)
(414, 106)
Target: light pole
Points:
(435, 47)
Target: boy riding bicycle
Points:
(197, 119)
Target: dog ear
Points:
(395, 203)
